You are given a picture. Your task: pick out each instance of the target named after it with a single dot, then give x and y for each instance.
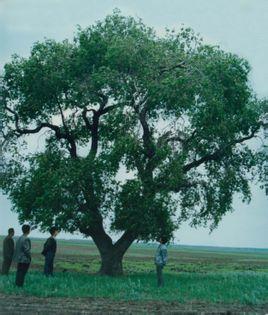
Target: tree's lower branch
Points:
(125, 241)
(59, 134)
(218, 154)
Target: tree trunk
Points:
(111, 263)
(111, 254)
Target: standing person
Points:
(23, 255)
(161, 260)
(49, 251)
(8, 251)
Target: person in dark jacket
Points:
(23, 255)
(49, 251)
(8, 251)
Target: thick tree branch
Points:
(147, 135)
(100, 111)
(180, 65)
(93, 127)
(218, 154)
(94, 134)
(107, 109)
(141, 110)
(72, 149)
(125, 241)
(86, 120)
(58, 133)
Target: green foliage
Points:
(173, 111)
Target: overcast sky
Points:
(238, 26)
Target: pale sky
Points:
(238, 26)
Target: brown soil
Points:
(22, 305)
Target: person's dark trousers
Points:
(49, 264)
(6, 266)
(21, 273)
(159, 273)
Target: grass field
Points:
(193, 274)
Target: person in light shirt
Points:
(23, 255)
(160, 260)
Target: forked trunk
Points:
(111, 254)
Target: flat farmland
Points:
(197, 279)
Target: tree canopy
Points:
(171, 113)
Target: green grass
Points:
(234, 287)
(193, 274)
